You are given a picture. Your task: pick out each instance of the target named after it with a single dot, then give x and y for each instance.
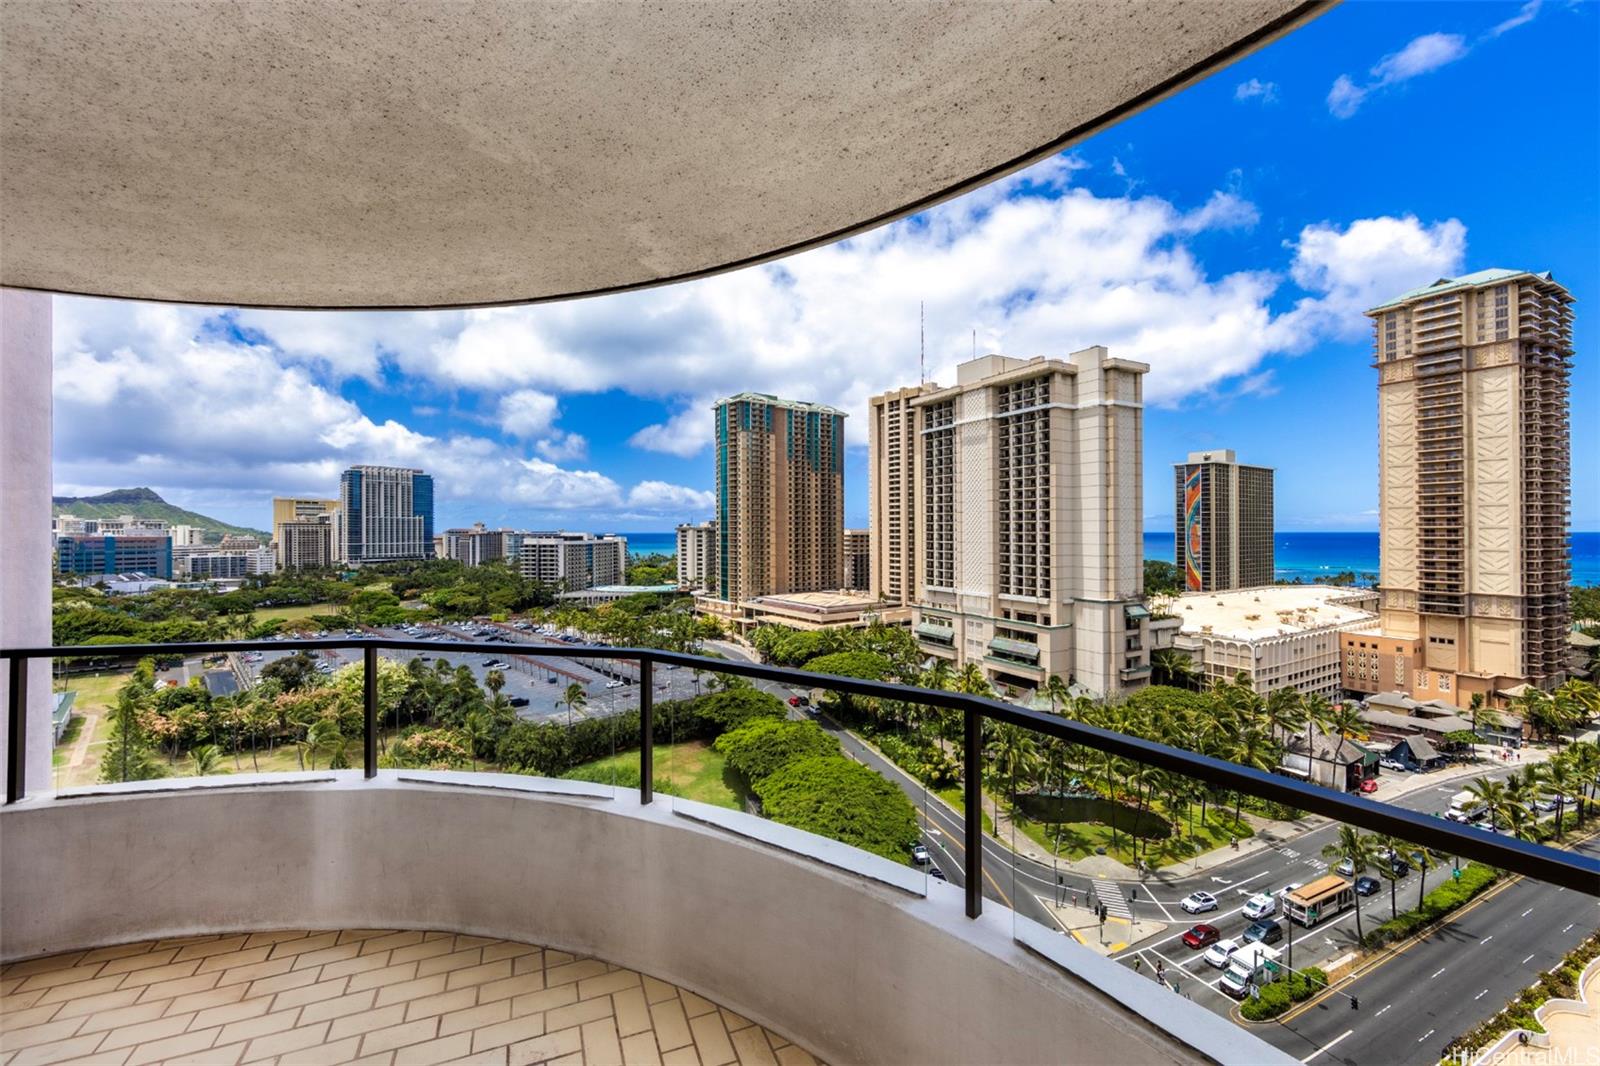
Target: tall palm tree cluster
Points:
(1554, 713)
(1568, 782)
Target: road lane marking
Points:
(1480, 995)
(1386, 1007)
(1525, 913)
(1437, 972)
(1524, 962)
(1569, 927)
(1424, 1036)
(1328, 1045)
(1485, 940)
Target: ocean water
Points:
(1313, 556)
(1307, 556)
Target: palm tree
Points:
(1388, 856)
(575, 699)
(1491, 795)
(1317, 714)
(1014, 753)
(1256, 750)
(494, 681)
(1557, 783)
(1521, 790)
(1345, 720)
(1586, 761)
(475, 731)
(1424, 856)
(1058, 691)
(1356, 848)
(205, 758)
(1168, 666)
(1282, 712)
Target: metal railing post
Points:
(369, 710)
(647, 731)
(972, 810)
(17, 730)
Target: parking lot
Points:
(534, 685)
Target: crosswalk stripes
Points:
(1110, 894)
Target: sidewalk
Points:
(1083, 925)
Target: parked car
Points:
(937, 874)
(518, 701)
(794, 701)
(1199, 902)
(1217, 954)
(613, 684)
(1265, 931)
(920, 856)
(1369, 785)
(1366, 886)
(551, 679)
(1393, 764)
(1345, 868)
(1261, 905)
(1283, 893)
(1396, 862)
(1202, 936)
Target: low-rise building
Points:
(1277, 636)
(697, 555)
(573, 561)
(804, 610)
(113, 553)
(477, 544)
(1331, 761)
(217, 564)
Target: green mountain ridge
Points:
(147, 503)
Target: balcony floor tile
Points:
(363, 995)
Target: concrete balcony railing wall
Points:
(842, 955)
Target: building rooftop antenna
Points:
(922, 341)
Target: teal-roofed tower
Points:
(780, 496)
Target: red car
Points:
(1202, 936)
(794, 701)
(1369, 784)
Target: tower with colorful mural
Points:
(1224, 522)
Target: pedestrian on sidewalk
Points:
(1138, 963)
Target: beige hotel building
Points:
(1019, 493)
(1474, 489)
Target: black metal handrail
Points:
(1564, 868)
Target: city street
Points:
(1416, 1001)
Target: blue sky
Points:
(1230, 236)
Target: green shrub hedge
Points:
(834, 797)
(1278, 996)
(762, 746)
(1449, 896)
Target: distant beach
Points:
(1307, 556)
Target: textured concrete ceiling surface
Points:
(307, 153)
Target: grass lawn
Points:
(289, 614)
(1081, 839)
(693, 770)
(956, 796)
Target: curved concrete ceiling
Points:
(307, 153)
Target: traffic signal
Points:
(1133, 894)
(1355, 1004)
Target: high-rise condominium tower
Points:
(1029, 553)
(892, 526)
(1474, 483)
(780, 497)
(1224, 522)
(385, 513)
(314, 546)
(697, 555)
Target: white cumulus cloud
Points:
(660, 496)
(1256, 89)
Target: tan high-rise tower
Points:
(891, 497)
(780, 497)
(1473, 484)
(1029, 505)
